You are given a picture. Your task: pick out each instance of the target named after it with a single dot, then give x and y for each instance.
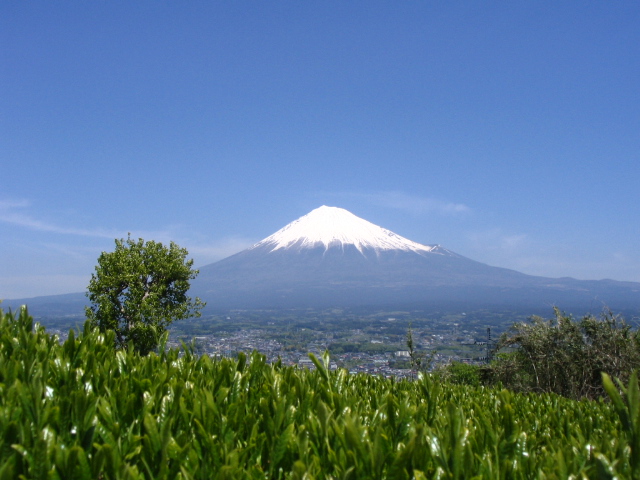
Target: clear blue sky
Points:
(508, 132)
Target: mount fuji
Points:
(332, 258)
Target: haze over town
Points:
(506, 133)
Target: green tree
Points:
(139, 289)
(419, 361)
(567, 356)
(460, 373)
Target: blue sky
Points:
(508, 132)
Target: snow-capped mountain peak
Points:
(333, 226)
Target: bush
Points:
(460, 373)
(566, 356)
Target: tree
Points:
(460, 373)
(139, 289)
(566, 356)
(418, 361)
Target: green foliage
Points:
(628, 409)
(419, 361)
(86, 410)
(565, 356)
(139, 289)
(460, 373)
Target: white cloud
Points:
(8, 214)
(498, 248)
(56, 268)
(205, 253)
(8, 204)
(527, 254)
(48, 266)
(495, 240)
(25, 286)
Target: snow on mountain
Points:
(330, 258)
(337, 227)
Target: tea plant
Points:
(86, 410)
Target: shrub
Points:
(566, 356)
(460, 373)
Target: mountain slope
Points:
(331, 257)
(332, 227)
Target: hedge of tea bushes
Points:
(82, 409)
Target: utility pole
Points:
(489, 356)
